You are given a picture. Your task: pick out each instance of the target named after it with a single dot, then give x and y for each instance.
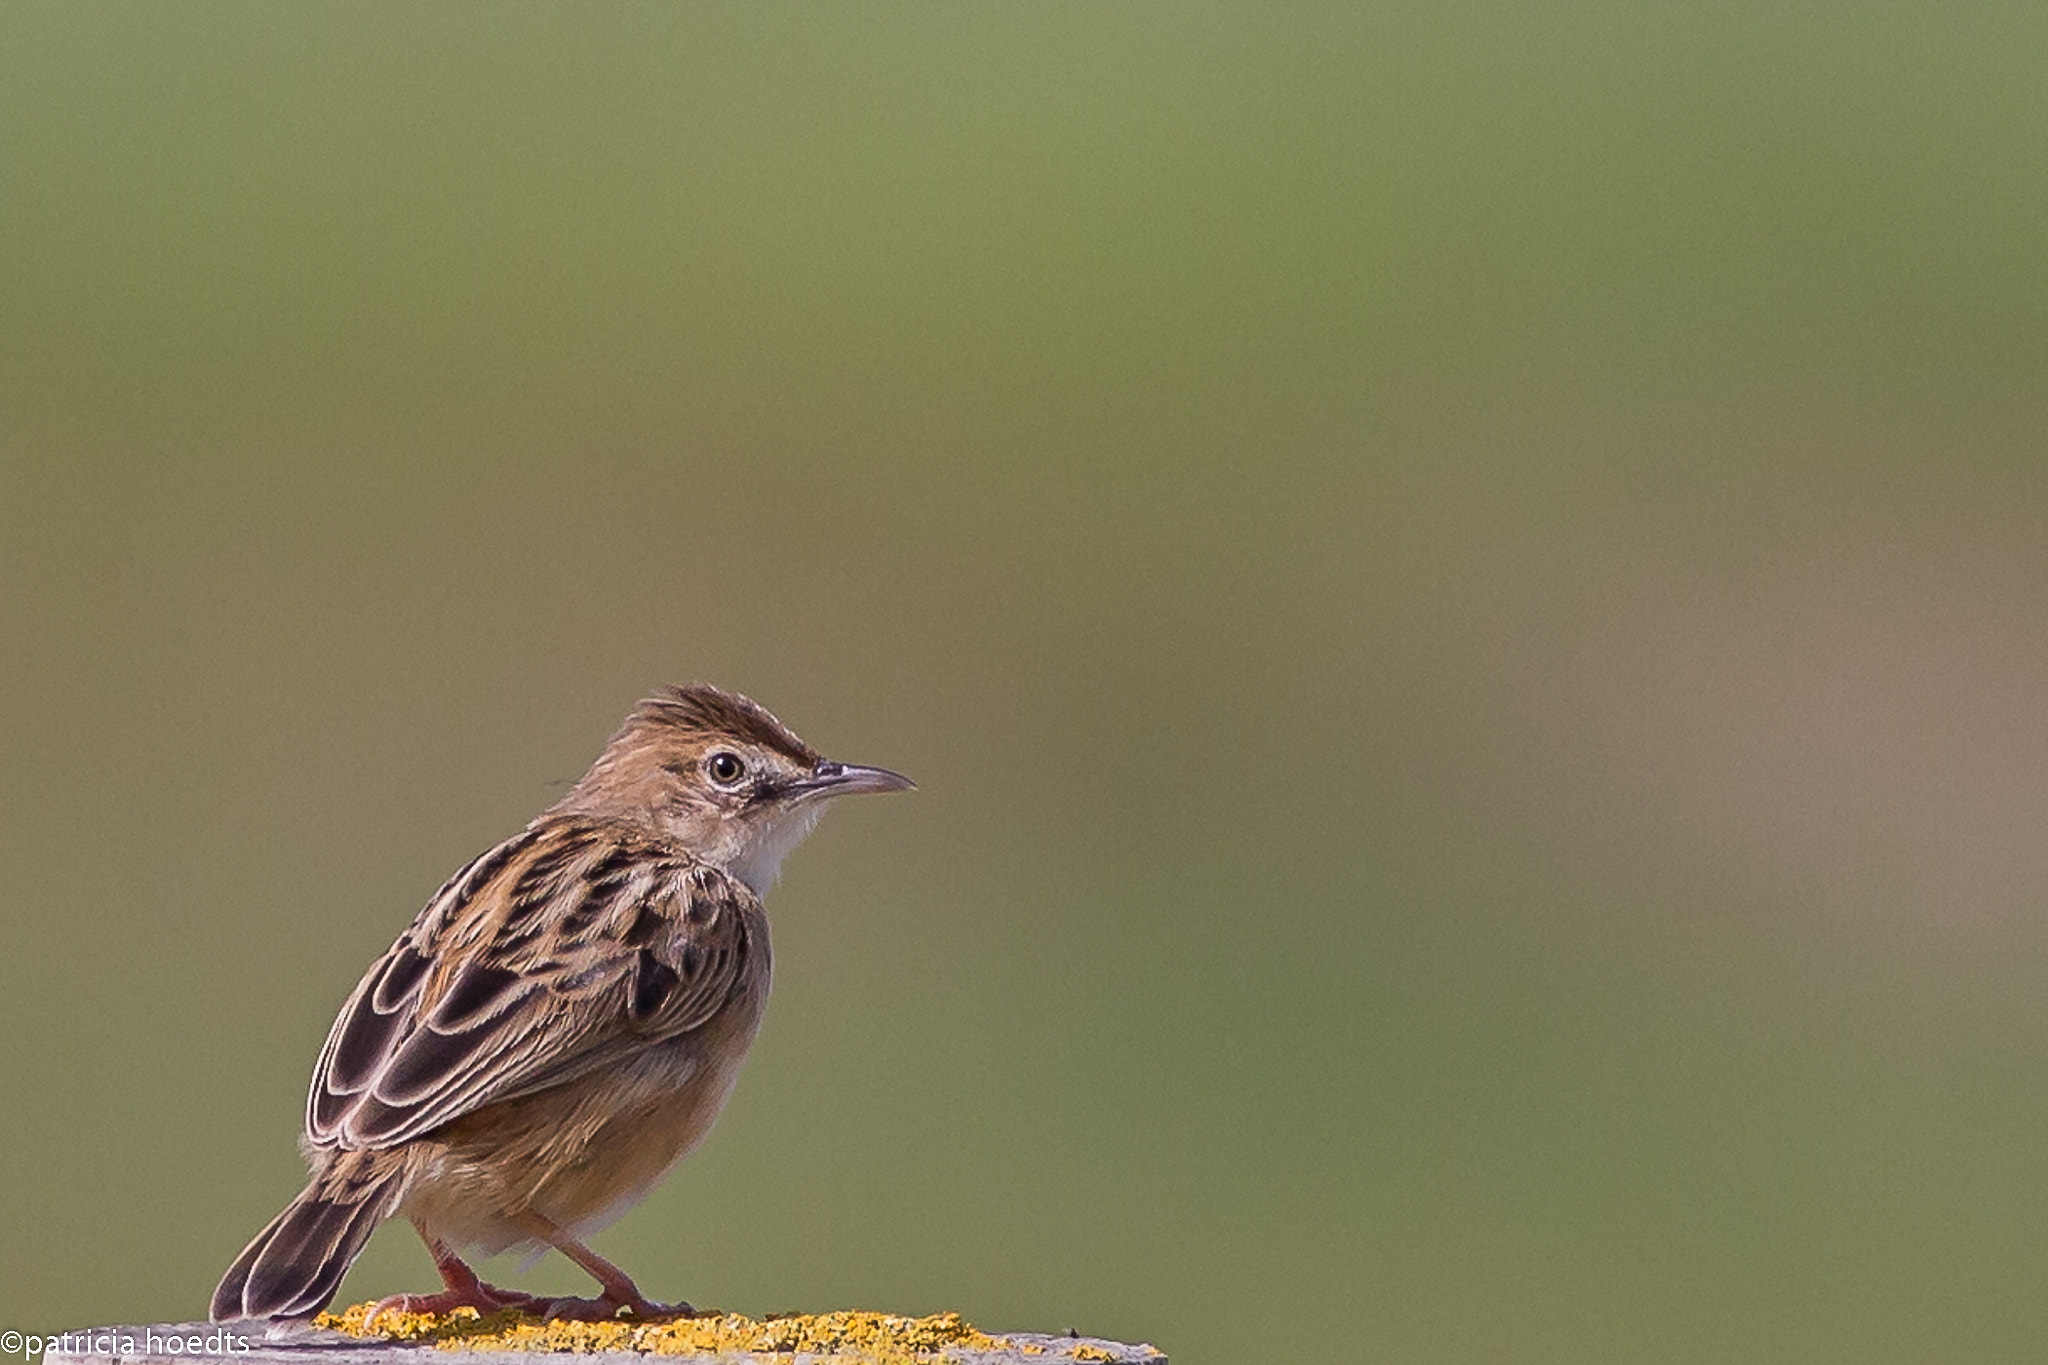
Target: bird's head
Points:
(720, 775)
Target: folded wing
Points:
(559, 951)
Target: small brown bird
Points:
(562, 1022)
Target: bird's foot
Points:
(606, 1307)
(486, 1299)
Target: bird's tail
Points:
(295, 1265)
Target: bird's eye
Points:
(725, 768)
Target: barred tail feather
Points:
(295, 1265)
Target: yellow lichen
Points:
(883, 1338)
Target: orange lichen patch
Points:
(885, 1338)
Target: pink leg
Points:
(619, 1289)
(463, 1288)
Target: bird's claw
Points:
(606, 1308)
(485, 1299)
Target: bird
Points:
(559, 1025)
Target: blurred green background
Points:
(1467, 586)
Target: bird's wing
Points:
(565, 949)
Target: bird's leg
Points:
(463, 1288)
(619, 1289)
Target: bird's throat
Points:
(758, 861)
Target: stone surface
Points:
(182, 1343)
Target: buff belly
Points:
(580, 1154)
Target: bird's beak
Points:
(843, 779)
